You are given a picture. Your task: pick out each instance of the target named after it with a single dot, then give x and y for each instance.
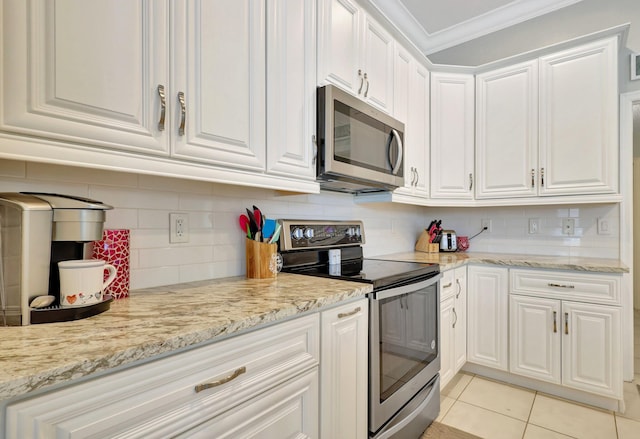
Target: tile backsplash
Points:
(142, 203)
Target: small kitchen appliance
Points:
(38, 230)
(404, 310)
(448, 241)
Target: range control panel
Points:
(308, 234)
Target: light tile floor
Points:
(495, 410)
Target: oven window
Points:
(408, 337)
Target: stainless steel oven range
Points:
(404, 339)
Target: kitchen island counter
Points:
(158, 321)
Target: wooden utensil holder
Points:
(261, 259)
(423, 244)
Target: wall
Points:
(142, 203)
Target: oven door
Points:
(404, 349)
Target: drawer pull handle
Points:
(183, 113)
(342, 315)
(221, 381)
(163, 107)
(560, 285)
(459, 288)
(566, 323)
(447, 285)
(555, 326)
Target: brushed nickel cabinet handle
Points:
(361, 81)
(560, 285)
(315, 149)
(470, 181)
(542, 177)
(163, 107)
(455, 314)
(447, 285)
(366, 92)
(342, 315)
(566, 323)
(459, 288)
(417, 177)
(533, 178)
(555, 326)
(221, 381)
(183, 113)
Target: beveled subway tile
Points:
(572, 419)
(502, 398)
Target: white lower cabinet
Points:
(261, 384)
(487, 308)
(344, 371)
(569, 343)
(453, 323)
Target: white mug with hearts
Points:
(81, 281)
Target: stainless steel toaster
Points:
(448, 241)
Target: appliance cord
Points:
(483, 229)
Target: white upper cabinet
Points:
(355, 53)
(507, 132)
(548, 127)
(291, 87)
(411, 106)
(452, 135)
(87, 72)
(218, 89)
(579, 120)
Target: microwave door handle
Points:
(396, 166)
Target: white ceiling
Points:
(435, 25)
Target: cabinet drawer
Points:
(162, 398)
(596, 288)
(447, 284)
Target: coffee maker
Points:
(38, 230)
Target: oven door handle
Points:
(404, 289)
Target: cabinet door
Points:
(535, 325)
(377, 65)
(290, 410)
(460, 323)
(447, 341)
(579, 120)
(452, 135)
(591, 348)
(487, 307)
(507, 132)
(339, 59)
(344, 371)
(219, 63)
(86, 72)
(291, 87)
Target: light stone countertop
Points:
(160, 320)
(457, 259)
(157, 321)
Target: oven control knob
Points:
(308, 233)
(297, 233)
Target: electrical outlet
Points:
(486, 223)
(603, 227)
(534, 226)
(568, 226)
(178, 227)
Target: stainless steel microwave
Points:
(360, 148)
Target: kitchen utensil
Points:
(253, 225)
(268, 228)
(81, 281)
(276, 234)
(260, 219)
(244, 224)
